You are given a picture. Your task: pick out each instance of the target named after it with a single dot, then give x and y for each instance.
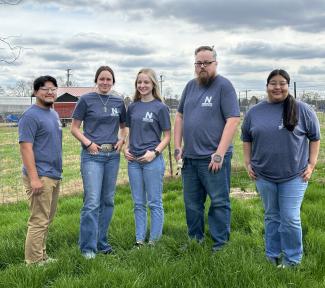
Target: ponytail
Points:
(290, 117)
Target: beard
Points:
(48, 104)
(204, 78)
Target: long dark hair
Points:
(290, 114)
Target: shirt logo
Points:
(207, 102)
(281, 125)
(148, 117)
(60, 124)
(114, 112)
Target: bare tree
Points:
(14, 51)
(21, 89)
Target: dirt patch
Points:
(240, 194)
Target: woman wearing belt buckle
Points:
(103, 115)
(147, 117)
(281, 144)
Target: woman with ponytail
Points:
(281, 139)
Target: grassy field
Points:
(240, 264)
(10, 165)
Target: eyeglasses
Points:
(204, 64)
(281, 84)
(47, 90)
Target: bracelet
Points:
(89, 145)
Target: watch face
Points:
(217, 158)
(176, 152)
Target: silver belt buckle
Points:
(107, 147)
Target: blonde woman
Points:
(147, 118)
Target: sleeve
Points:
(27, 129)
(80, 111)
(313, 127)
(229, 102)
(245, 130)
(123, 114)
(164, 118)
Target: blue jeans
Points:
(198, 182)
(99, 174)
(283, 234)
(146, 181)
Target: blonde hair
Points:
(155, 90)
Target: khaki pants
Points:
(42, 209)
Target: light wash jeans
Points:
(146, 181)
(99, 174)
(283, 233)
(198, 182)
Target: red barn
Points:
(67, 99)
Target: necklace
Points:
(104, 103)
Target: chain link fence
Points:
(11, 188)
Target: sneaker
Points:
(49, 260)
(138, 244)
(286, 266)
(152, 243)
(216, 249)
(276, 261)
(89, 255)
(107, 252)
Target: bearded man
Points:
(207, 120)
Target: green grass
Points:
(240, 264)
(10, 164)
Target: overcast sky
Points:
(251, 38)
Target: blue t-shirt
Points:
(279, 155)
(42, 128)
(100, 122)
(205, 110)
(146, 120)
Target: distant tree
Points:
(2, 92)
(127, 101)
(21, 89)
(310, 97)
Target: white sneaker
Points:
(89, 255)
(47, 261)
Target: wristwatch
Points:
(157, 153)
(176, 152)
(217, 158)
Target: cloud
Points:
(56, 56)
(312, 70)
(93, 42)
(260, 49)
(304, 15)
(136, 62)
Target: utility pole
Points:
(169, 147)
(161, 84)
(295, 88)
(68, 77)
